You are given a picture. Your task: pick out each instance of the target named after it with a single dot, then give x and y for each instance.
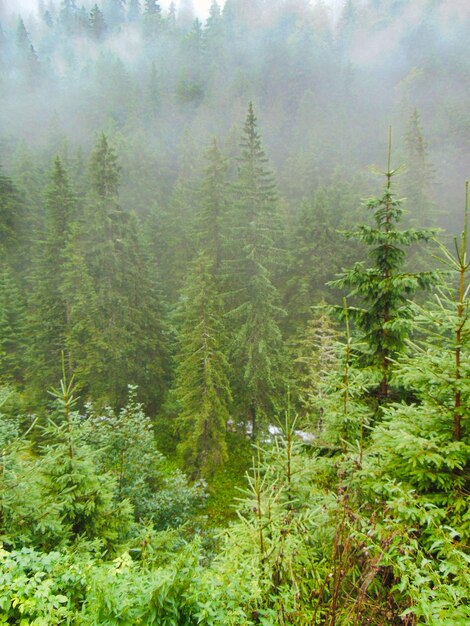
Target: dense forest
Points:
(234, 313)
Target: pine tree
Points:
(97, 23)
(27, 57)
(11, 215)
(383, 315)
(202, 386)
(49, 311)
(425, 446)
(117, 333)
(152, 19)
(211, 222)
(257, 343)
(13, 335)
(315, 356)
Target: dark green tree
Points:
(13, 333)
(202, 386)
(382, 292)
(257, 349)
(49, 310)
(212, 218)
(117, 333)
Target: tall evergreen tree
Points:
(202, 383)
(114, 12)
(27, 56)
(382, 291)
(13, 333)
(211, 222)
(257, 343)
(97, 23)
(49, 311)
(119, 333)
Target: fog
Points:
(327, 80)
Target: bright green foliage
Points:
(427, 445)
(124, 593)
(382, 291)
(257, 343)
(59, 497)
(315, 355)
(202, 385)
(38, 588)
(125, 448)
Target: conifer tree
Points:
(114, 12)
(383, 315)
(13, 335)
(202, 385)
(211, 222)
(27, 56)
(121, 337)
(49, 313)
(315, 356)
(97, 23)
(11, 216)
(203, 379)
(257, 343)
(425, 446)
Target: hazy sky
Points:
(26, 6)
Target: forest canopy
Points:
(234, 313)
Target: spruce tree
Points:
(49, 311)
(203, 379)
(424, 447)
(212, 218)
(117, 327)
(13, 333)
(97, 23)
(382, 292)
(13, 330)
(202, 384)
(257, 343)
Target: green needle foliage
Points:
(202, 386)
(382, 314)
(257, 351)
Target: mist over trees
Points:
(234, 313)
